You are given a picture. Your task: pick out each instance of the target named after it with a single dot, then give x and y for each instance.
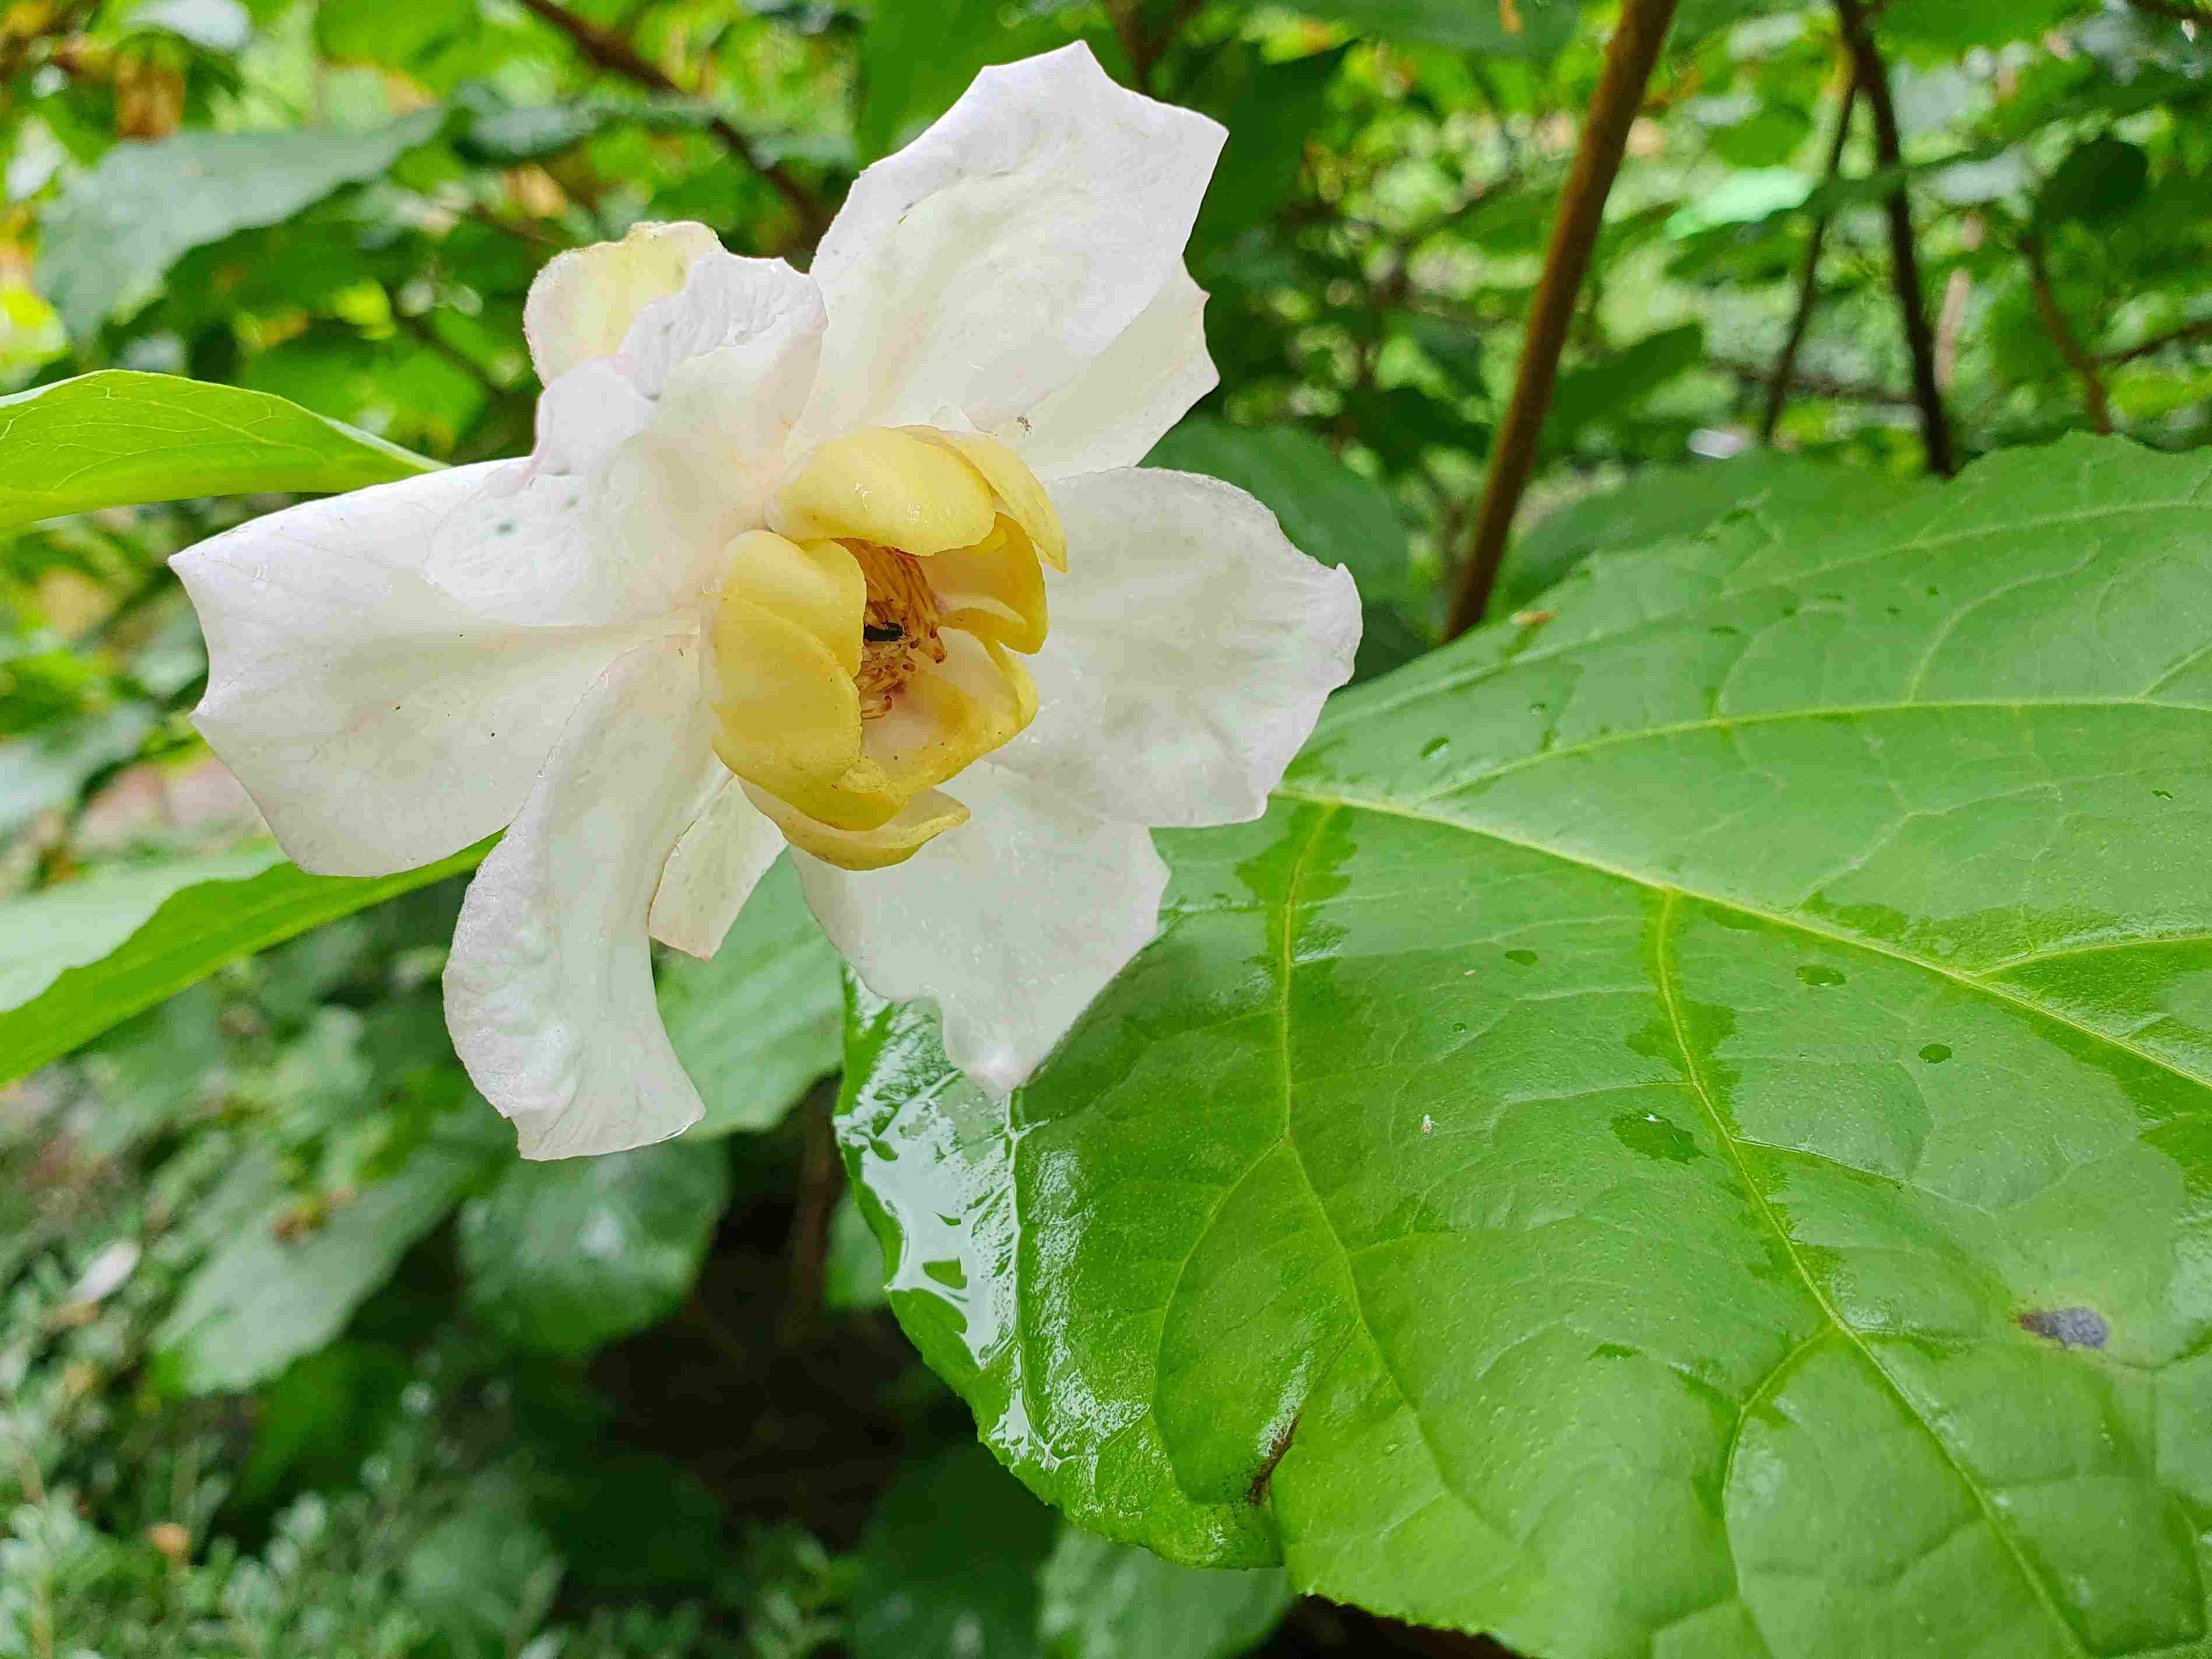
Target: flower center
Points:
(898, 624)
(866, 648)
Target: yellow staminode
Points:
(862, 657)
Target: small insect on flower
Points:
(858, 561)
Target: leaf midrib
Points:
(1412, 810)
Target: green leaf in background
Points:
(565, 1255)
(1600, 393)
(1328, 511)
(374, 32)
(2099, 180)
(86, 955)
(1523, 28)
(916, 59)
(1659, 503)
(948, 1565)
(762, 1020)
(264, 1297)
(1270, 109)
(1108, 1600)
(121, 226)
(1684, 1130)
(120, 439)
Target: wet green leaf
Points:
(1660, 502)
(569, 1255)
(1683, 1131)
(117, 438)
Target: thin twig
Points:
(821, 1182)
(2201, 328)
(611, 52)
(2062, 335)
(1832, 386)
(1873, 78)
(1808, 276)
(1629, 58)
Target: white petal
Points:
(1192, 647)
(1117, 409)
(1010, 923)
(713, 869)
(647, 462)
(582, 303)
(549, 990)
(989, 261)
(378, 722)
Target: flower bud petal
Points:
(1021, 496)
(994, 590)
(817, 585)
(929, 814)
(881, 485)
(788, 714)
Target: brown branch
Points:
(1808, 276)
(2198, 329)
(1873, 77)
(1819, 386)
(1629, 57)
(611, 52)
(2179, 10)
(2062, 335)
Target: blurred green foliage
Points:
(294, 1357)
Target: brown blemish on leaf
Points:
(2070, 1328)
(1256, 1493)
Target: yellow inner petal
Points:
(787, 712)
(817, 585)
(995, 589)
(864, 654)
(1022, 497)
(926, 816)
(878, 484)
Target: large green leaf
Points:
(120, 227)
(1685, 1131)
(758, 1023)
(118, 438)
(80, 958)
(565, 1255)
(1678, 501)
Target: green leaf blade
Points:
(118, 438)
(1632, 1150)
(82, 958)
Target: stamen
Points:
(898, 629)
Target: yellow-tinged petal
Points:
(1021, 496)
(583, 303)
(879, 484)
(788, 714)
(949, 714)
(817, 585)
(994, 590)
(927, 815)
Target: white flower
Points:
(790, 527)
